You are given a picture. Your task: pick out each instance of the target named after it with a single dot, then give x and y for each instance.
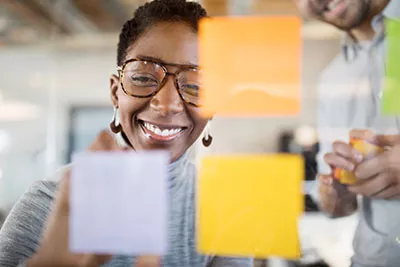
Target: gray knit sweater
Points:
(20, 235)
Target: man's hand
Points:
(335, 198)
(380, 176)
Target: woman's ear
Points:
(114, 84)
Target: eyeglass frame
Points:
(182, 67)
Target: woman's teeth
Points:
(158, 131)
(333, 4)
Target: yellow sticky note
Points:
(250, 205)
(250, 66)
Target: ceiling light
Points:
(305, 136)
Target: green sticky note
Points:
(391, 91)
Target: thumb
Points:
(325, 179)
(62, 198)
(105, 141)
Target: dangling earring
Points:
(115, 128)
(207, 138)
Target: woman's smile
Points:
(161, 132)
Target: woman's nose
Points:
(167, 101)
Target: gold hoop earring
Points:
(114, 126)
(207, 138)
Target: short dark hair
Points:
(154, 12)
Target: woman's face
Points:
(144, 120)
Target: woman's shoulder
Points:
(44, 190)
(36, 202)
(41, 191)
(20, 234)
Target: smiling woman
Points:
(158, 82)
(144, 78)
(155, 93)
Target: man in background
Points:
(349, 95)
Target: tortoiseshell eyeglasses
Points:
(145, 78)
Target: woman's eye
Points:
(141, 80)
(191, 89)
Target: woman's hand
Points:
(54, 249)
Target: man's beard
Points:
(362, 15)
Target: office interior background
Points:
(56, 57)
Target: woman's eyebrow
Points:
(159, 60)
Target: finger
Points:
(148, 261)
(395, 196)
(327, 190)
(105, 141)
(345, 150)
(337, 161)
(387, 140)
(92, 260)
(390, 192)
(365, 135)
(327, 186)
(373, 186)
(372, 167)
(325, 179)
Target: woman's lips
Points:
(161, 133)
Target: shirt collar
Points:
(392, 10)
(351, 46)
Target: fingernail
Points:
(349, 167)
(327, 180)
(358, 156)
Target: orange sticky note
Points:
(250, 205)
(250, 66)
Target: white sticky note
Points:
(118, 203)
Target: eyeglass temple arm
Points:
(119, 71)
